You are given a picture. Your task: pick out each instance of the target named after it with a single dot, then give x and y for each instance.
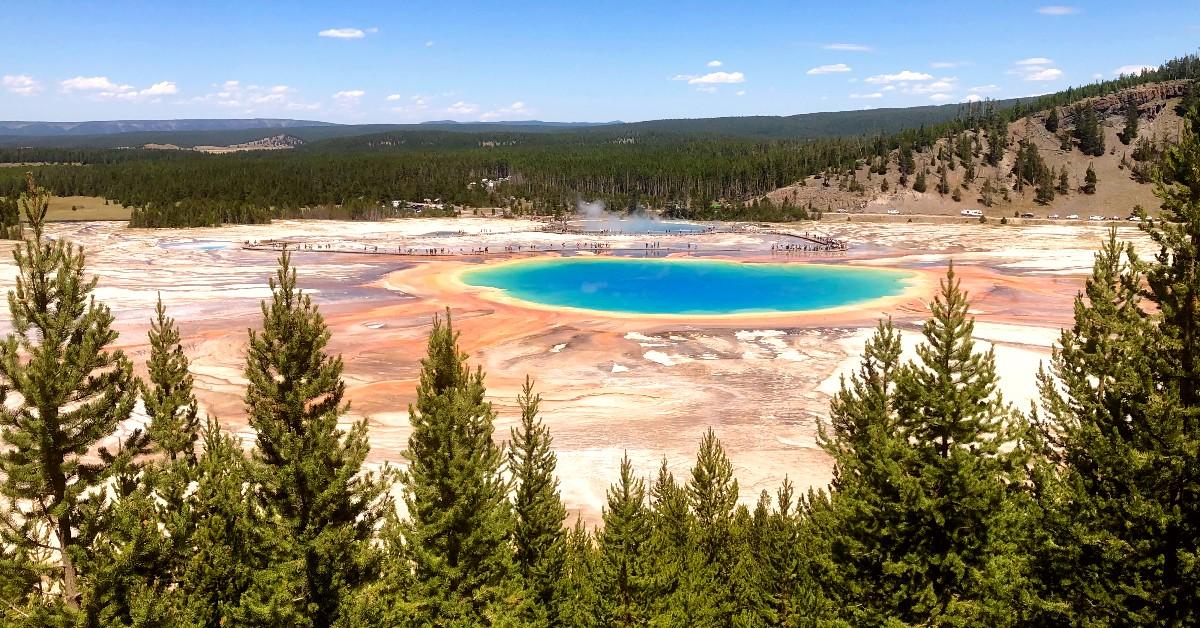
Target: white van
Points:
(972, 212)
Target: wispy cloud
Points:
(394, 97)
(516, 109)
(1058, 10)
(870, 96)
(973, 98)
(848, 47)
(984, 89)
(715, 78)
(904, 76)
(429, 44)
(940, 97)
(1132, 69)
(944, 65)
(20, 84)
(715, 63)
(255, 98)
(350, 95)
(1036, 69)
(346, 33)
(942, 85)
(830, 69)
(90, 83)
(462, 108)
(102, 87)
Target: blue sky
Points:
(407, 61)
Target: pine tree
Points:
(71, 392)
(226, 535)
(580, 601)
(1052, 120)
(960, 535)
(672, 533)
(326, 507)
(1089, 180)
(460, 522)
(1064, 185)
(1126, 423)
(1044, 194)
(622, 581)
(539, 537)
(869, 490)
(712, 495)
(919, 183)
(170, 404)
(1130, 132)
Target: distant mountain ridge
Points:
(112, 127)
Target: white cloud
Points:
(713, 78)
(350, 95)
(740, 92)
(1044, 74)
(1036, 69)
(888, 88)
(973, 98)
(163, 88)
(91, 83)
(940, 97)
(943, 65)
(429, 44)
(867, 96)
(848, 47)
(905, 76)
(714, 63)
(20, 84)
(707, 89)
(1097, 75)
(102, 87)
(1058, 10)
(393, 97)
(462, 108)
(517, 108)
(343, 33)
(941, 85)
(830, 69)
(984, 89)
(251, 99)
(1132, 69)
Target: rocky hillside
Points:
(1036, 152)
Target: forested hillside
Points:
(697, 175)
(948, 505)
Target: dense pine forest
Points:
(948, 507)
(706, 172)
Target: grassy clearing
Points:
(67, 208)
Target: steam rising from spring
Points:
(596, 217)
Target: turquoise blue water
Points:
(665, 286)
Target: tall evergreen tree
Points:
(1052, 120)
(1123, 417)
(313, 482)
(69, 391)
(460, 523)
(1130, 132)
(967, 451)
(539, 537)
(623, 582)
(1090, 180)
(170, 404)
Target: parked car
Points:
(1053, 216)
(894, 212)
(1096, 218)
(1028, 215)
(1073, 217)
(1134, 219)
(1115, 218)
(972, 212)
